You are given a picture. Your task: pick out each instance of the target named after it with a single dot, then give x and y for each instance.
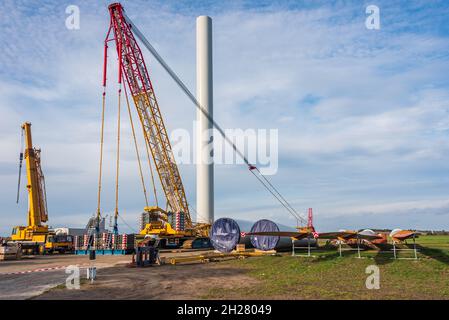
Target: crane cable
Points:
(297, 215)
(148, 155)
(123, 220)
(197, 214)
(117, 159)
(137, 148)
(152, 175)
(20, 164)
(189, 94)
(285, 205)
(151, 168)
(101, 156)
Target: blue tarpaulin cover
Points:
(264, 242)
(225, 234)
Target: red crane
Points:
(310, 220)
(132, 65)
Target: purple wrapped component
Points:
(264, 242)
(225, 234)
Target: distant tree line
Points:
(426, 232)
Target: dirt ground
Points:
(28, 263)
(29, 279)
(326, 275)
(192, 281)
(32, 275)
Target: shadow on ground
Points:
(433, 253)
(156, 282)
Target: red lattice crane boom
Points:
(132, 65)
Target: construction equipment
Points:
(36, 237)
(59, 243)
(399, 238)
(174, 225)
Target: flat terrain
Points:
(43, 273)
(325, 276)
(331, 277)
(164, 282)
(33, 275)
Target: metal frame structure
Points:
(358, 249)
(309, 248)
(415, 250)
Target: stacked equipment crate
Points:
(144, 220)
(177, 220)
(106, 243)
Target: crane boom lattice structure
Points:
(132, 65)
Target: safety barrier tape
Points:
(41, 269)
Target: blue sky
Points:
(362, 114)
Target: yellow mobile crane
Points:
(36, 236)
(173, 225)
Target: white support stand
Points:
(414, 248)
(309, 248)
(394, 249)
(415, 251)
(358, 248)
(339, 247)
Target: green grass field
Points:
(328, 276)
